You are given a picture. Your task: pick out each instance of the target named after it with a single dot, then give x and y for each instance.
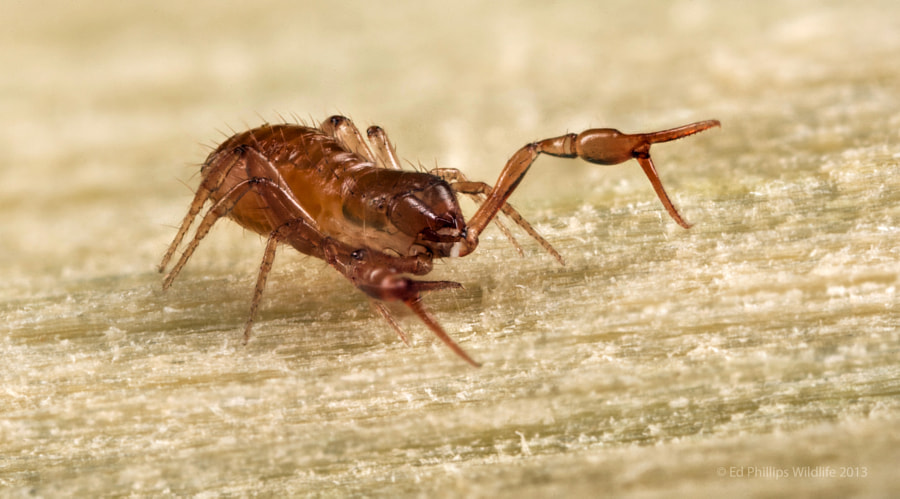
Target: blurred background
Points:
(763, 340)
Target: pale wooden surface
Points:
(659, 360)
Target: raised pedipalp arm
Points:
(211, 182)
(601, 146)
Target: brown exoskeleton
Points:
(329, 194)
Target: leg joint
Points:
(562, 146)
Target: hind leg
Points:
(211, 182)
(218, 210)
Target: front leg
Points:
(603, 146)
(478, 191)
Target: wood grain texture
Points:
(658, 360)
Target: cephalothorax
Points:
(331, 195)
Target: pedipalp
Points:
(605, 146)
